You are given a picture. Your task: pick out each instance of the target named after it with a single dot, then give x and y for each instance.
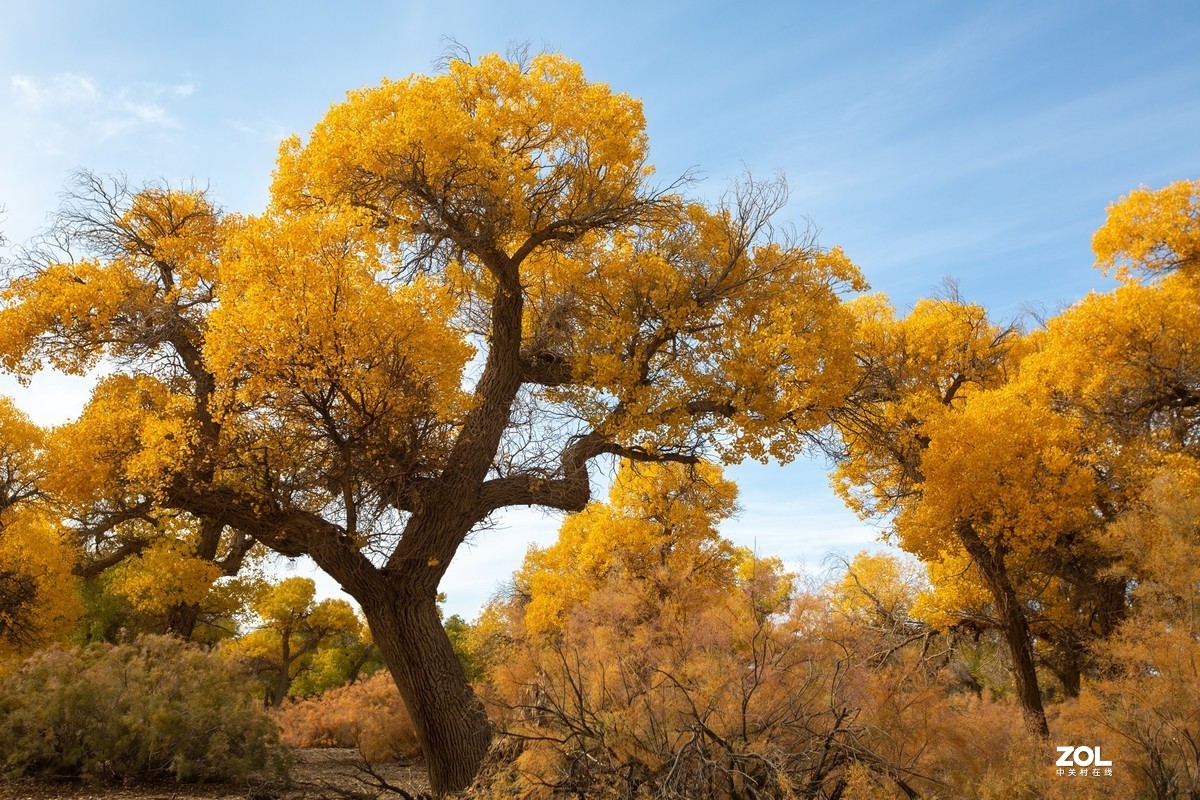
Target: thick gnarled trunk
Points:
(451, 723)
(400, 604)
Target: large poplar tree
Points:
(466, 290)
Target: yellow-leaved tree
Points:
(1012, 463)
(127, 276)
(39, 598)
(465, 290)
(921, 375)
(658, 531)
(293, 627)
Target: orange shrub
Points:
(368, 715)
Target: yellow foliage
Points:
(36, 560)
(1151, 231)
(294, 628)
(530, 145)
(39, 594)
(309, 332)
(334, 615)
(658, 528)
(915, 369)
(876, 584)
(765, 333)
(166, 574)
(70, 315)
(285, 603)
(133, 434)
(328, 356)
(956, 591)
(74, 298)
(22, 462)
(1012, 467)
(1126, 360)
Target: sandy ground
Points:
(325, 774)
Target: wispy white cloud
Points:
(67, 88)
(55, 108)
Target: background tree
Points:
(1144, 695)
(294, 629)
(1134, 405)
(1017, 456)
(658, 532)
(915, 372)
(1152, 232)
(126, 276)
(39, 597)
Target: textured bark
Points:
(1071, 677)
(450, 721)
(400, 604)
(1013, 623)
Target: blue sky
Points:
(980, 141)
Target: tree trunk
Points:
(1020, 645)
(1013, 623)
(181, 620)
(1071, 677)
(283, 681)
(183, 617)
(449, 719)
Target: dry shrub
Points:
(368, 715)
(718, 702)
(958, 746)
(982, 749)
(1146, 714)
(714, 699)
(157, 708)
(657, 679)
